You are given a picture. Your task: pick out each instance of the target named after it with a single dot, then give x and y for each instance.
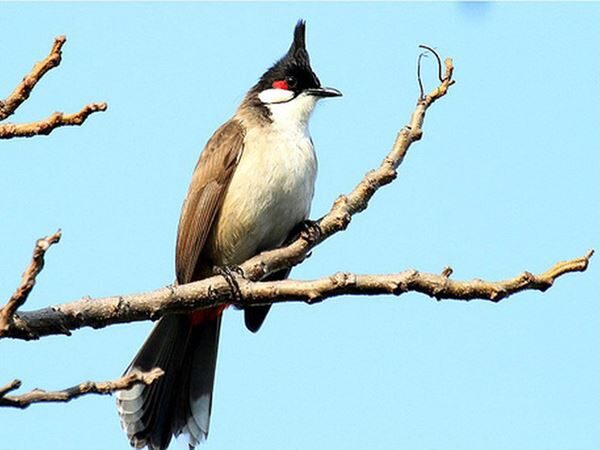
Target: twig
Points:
(447, 272)
(101, 312)
(23, 90)
(46, 126)
(438, 59)
(27, 281)
(14, 384)
(89, 387)
(419, 79)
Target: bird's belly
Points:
(269, 194)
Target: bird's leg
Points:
(230, 273)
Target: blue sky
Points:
(505, 179)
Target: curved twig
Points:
(437, 57)
(419, 79)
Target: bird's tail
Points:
(185, 348)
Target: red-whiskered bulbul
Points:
(252, 186)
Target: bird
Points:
(250, 190)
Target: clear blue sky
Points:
(505, 179)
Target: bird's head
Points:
(290, 87)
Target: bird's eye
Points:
(291, 81)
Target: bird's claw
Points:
(310, 231)
(230, 273)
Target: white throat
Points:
(293, 114)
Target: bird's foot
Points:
(310, 231)
(230, 273)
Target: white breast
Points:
(269, 194)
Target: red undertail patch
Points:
(205, 315)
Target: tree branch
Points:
(89, 387)
(101, 312)
(46, 126)
(97, 313)
(28, 280)
(61, 319)
(21, 93)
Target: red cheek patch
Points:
(281, 84)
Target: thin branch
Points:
(438, 59)
(27, 281)
(97, 313)
(89, 387)
(23, 90)
(419, 79)
(46, 126)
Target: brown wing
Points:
(205, 195)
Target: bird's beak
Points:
(324, 92)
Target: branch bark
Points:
(22, 92)
(89, 387)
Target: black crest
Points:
(297, 51)
(295, 63)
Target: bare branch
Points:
(23, 90)
(97, 313)
(28, 280)
(89, 387)
(46, 126)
